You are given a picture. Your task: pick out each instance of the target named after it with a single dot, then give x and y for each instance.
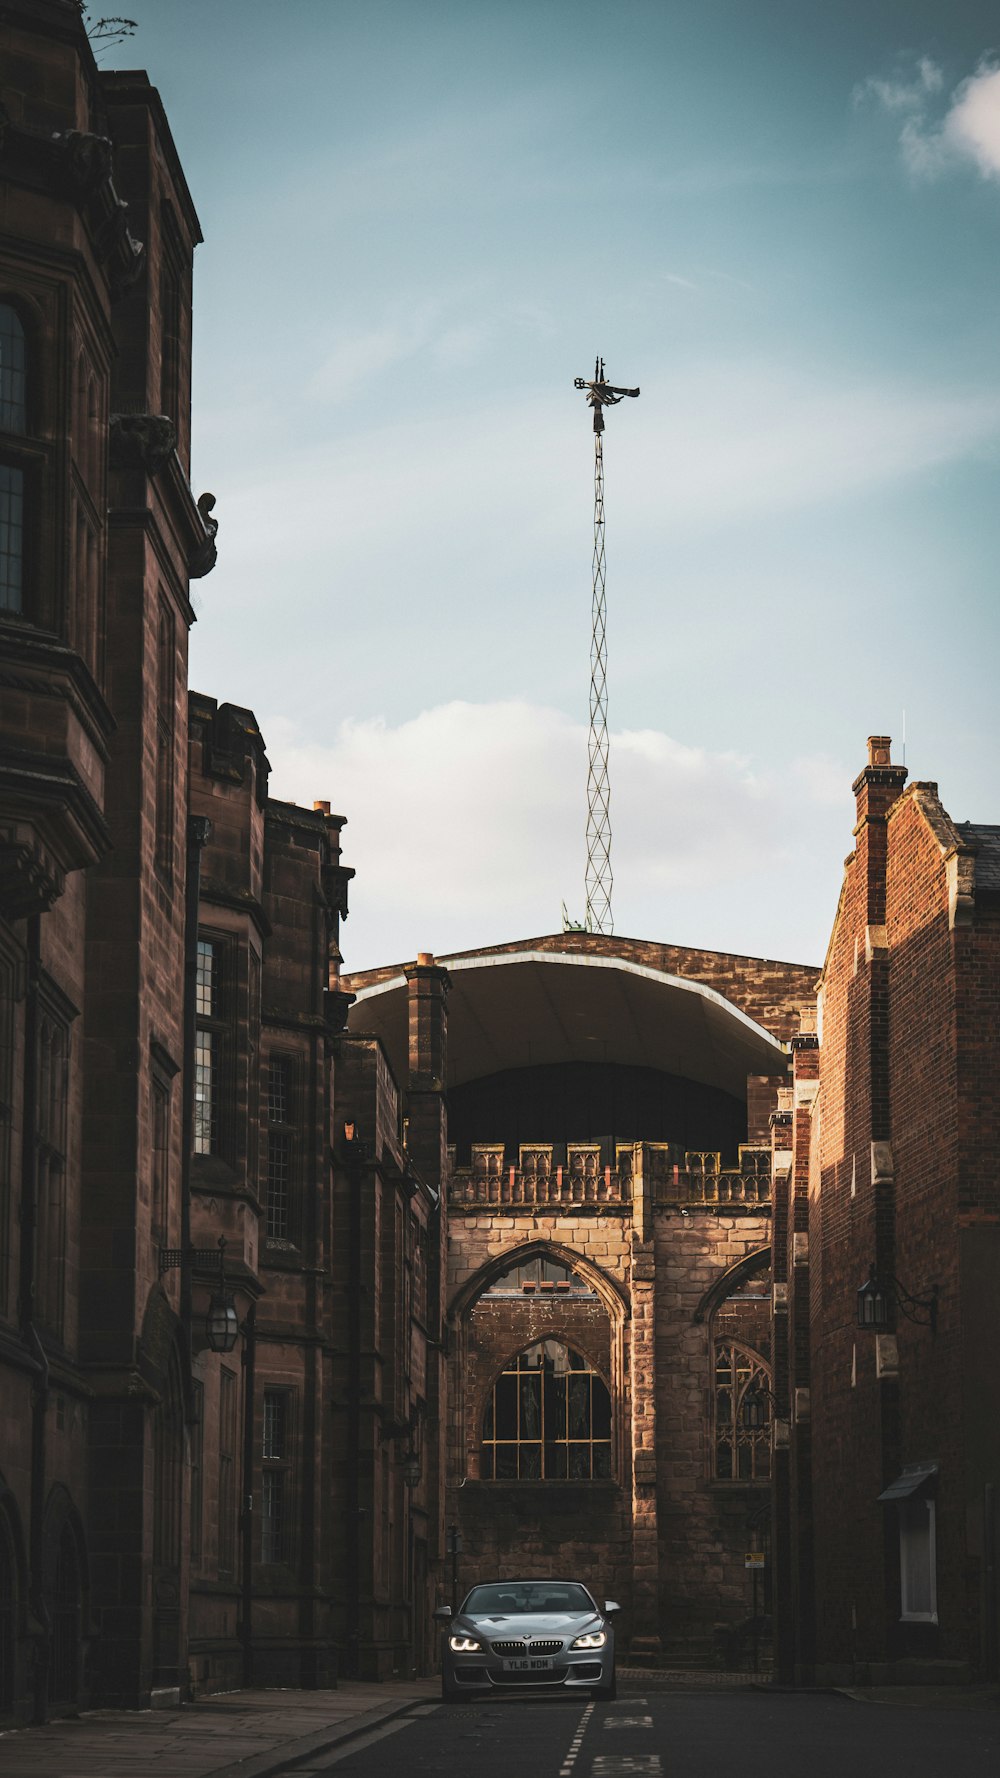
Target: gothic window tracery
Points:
(742, 1452)
(548, 1418)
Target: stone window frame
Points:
(281, 1144)
(719, 1293)
(614, 1296)
(756, 1440)
(218, 1024)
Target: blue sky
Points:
(422, 221)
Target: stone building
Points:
(887, 1487)
(184, 1329)
(101, 536)
(609, 1193)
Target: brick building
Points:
(555, 1244)
(609, 1111)
(886, 1491)
(179, 1361)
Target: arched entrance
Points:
(168, 1496)
(10, 1591)
(65, 1572)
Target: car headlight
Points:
(593, 1639)
(467, 1645)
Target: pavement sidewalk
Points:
(231, 1735)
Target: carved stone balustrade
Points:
(672, 1176)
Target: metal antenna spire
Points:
(600, 394)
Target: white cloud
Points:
(932, 143)
(466, 826)
(902, 92)
(973, 123)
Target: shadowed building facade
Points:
(609, 1189)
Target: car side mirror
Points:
(443, 1614)
(610, 1607)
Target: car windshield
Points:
(519, 1597)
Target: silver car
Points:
(538, 1633)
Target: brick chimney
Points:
(876, 789)
(427, 989)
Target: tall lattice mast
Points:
(599, 881)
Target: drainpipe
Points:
(249, 1407)
(29, 1332)
(199, 832)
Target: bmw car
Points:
(545, 1634)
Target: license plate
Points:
(528, 1664)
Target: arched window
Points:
(548, 1418)
(742, 1447)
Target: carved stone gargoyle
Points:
(141, 441)
(205, 555)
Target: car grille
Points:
(526, 1648)
(554, 1676)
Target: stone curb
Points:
(264, 1765)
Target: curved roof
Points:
(519, 1009)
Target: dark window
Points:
(548, 1419)
(280, 1148)
(275, 1483)
(13, 371)
(160, 1159)
(11, 538)
(209, 1039)
(742, 1454)
(13, 419)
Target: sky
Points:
(422, 220)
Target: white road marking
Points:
(574, 1747)
(628, 1703)
(627, 1722)
(626, 1765)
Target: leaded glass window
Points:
(742, 1453)
(13, 371)
(275, 1473)
(548, 1418)
(11, 538)
(280, 1149)
(208, 1048)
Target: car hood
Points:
(518, 1625)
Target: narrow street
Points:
(674, 1735)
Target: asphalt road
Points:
(674, 1735)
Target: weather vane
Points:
(599, 879)
(601, 394)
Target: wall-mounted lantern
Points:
(222, 1324)
(882, 1292)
